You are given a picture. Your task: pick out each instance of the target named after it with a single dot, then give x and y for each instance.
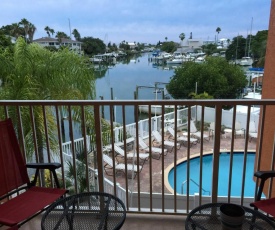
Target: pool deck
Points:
(156, 167)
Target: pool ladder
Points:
(190, 179)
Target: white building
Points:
(132, 45)
(48, 41)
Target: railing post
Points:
(99, 147)
(216, 153)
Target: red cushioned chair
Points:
(266, 205)
(20, 198)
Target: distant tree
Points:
(209, 49)
(76, 34)
(218, 30)
(258, 47)
(215, 76)
(124, 45)
(112, 47)
(166, 38)
(169, 47)
(236, 50)
(92, 46)
(16, 30)
(60, 34)
(25, 23)
(182, 36)
(6, 30)
(47, 29)
(31, 31)
(5, 41)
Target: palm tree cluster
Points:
(34, 73)
(49, 31)
(24, 29)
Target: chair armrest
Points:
(263, 175)
(50, 166)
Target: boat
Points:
(164, 56)
(200, 59)
(175, 61)
(96, 60)
(155, 109)
(246, 61)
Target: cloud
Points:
(142, 20)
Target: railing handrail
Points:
(190, 179)
(188, 102)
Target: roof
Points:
(50, 39)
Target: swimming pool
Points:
(237, 171)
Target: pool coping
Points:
(167, 170)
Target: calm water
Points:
(237, 171)
(124, 78)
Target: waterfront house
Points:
(54, 42)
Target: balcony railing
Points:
(74, 133)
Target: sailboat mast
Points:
(70, 28)
(250, 38)
(246, 51)
(237, 49)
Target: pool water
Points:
(237, 172)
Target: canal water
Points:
(123, 78)
(121, 81)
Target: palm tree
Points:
(25, 23)
(51, 31)
(218, 30)
(31, 31)
(47, 29)
(76, 35)
(16, 30)
(182, 36)
(35, 73)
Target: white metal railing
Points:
(152, 197)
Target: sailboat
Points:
(247, 60)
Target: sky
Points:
(143, 21)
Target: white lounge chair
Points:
(197, 134)
(238, 130)
(119, 167)
(158, 141)
(181, 139)
(142, 156)
(155, 150)
(253, 132)
(212, 129)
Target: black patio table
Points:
(207, 216)
(91, 210)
